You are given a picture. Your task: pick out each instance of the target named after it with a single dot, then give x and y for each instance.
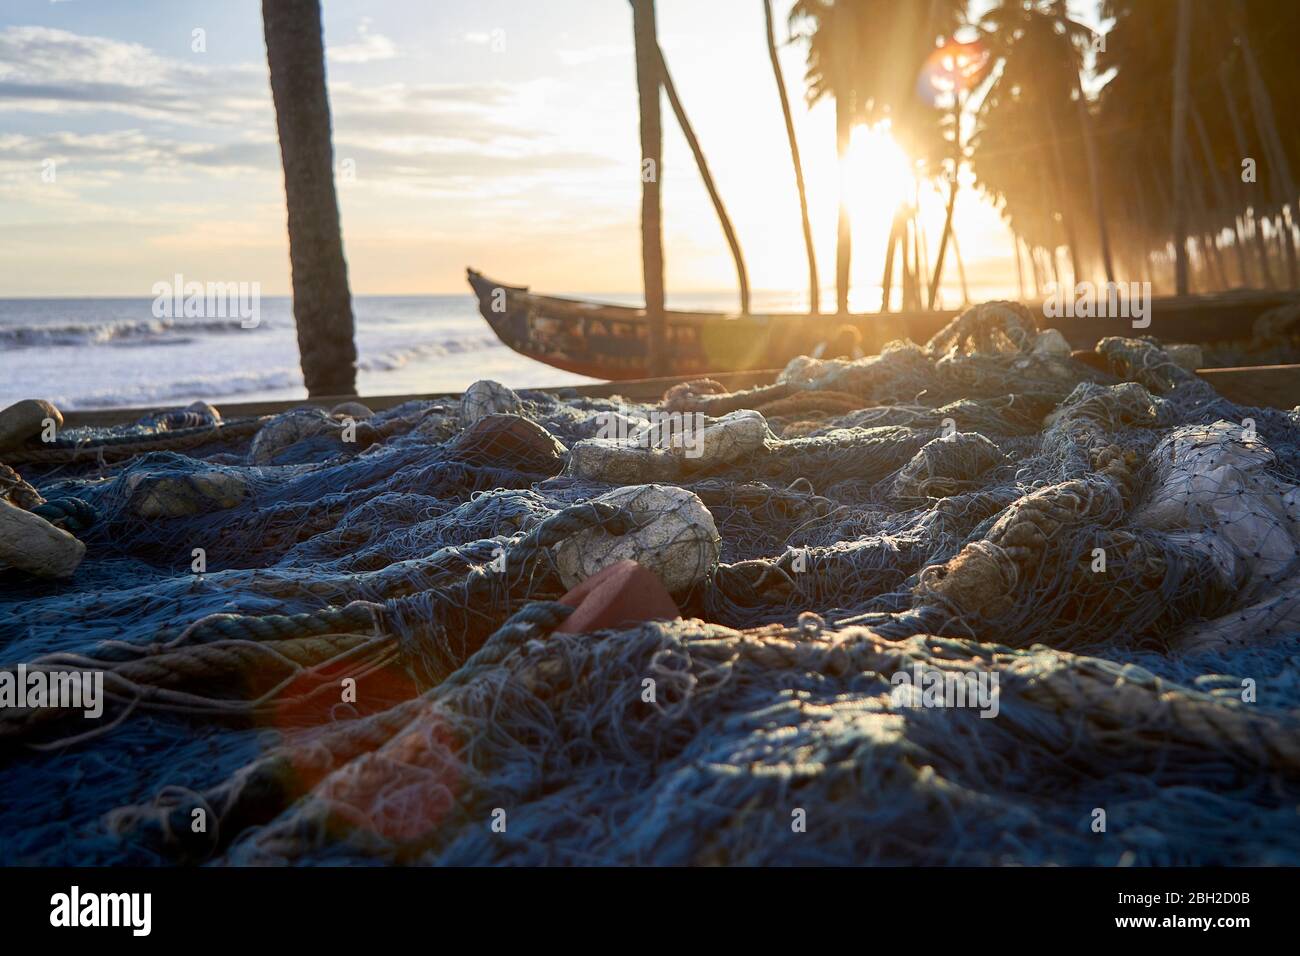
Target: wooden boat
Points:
(609, 341)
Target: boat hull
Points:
(610, 341)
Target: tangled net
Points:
(951, 604)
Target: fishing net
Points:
(972, 602)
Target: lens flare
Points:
(950, 69)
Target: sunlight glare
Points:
(877, 177)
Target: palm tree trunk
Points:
(1221, 191)
(322, 302)
(1266, 123)
(1094, 178)
(919, 270)
(1046, 188)
(905, 279)
(1144, 230)
(843, 233)
(911, 267)
(1020, 269)
(922, 252)
(887, 280)
(652, 244)
(1239, 137)
(1261, 247)
(1207, 158)
(943, 242)
(1067, 218)
(1243, 260)
(1287, 238)
(1202, 218)
(814, 290)
(961, 269)
(741, 275)
(1179, 139)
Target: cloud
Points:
(43, 69)
(54, 71)
(94, 159)
(461, 112)
(590, 54)
(133, 127)
(369, 48)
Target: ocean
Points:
(103, 352)
(98, 353)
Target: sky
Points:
(137, 141)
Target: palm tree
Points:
(1244, 56)
(1140, 52)
(322, 302)
(832, 66)
(814, 291)
(692, 141)
(1080, 36)
(1037, 44)
(866, 55)
(652, 244)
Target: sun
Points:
(877, 176)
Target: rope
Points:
(801, 403)
(528, 623)
(122, 447)
(357, 616)
(71, 514)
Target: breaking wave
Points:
(142, 331)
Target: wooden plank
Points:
(1276, 386)
(1262, 386)
(637, 390)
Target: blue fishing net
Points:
(973, 603)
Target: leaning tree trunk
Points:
(1179, 137)
(742, 276)
(952, 200)
(322, 303)
(814, 291)
(961, 268)
(943, 244)
(652, 240)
